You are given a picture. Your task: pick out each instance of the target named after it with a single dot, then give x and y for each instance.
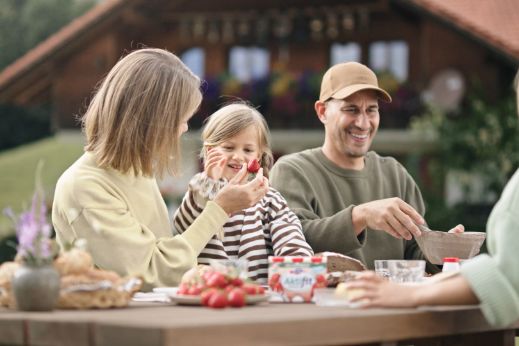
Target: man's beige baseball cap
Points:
(343, 80)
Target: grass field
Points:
(17, 171)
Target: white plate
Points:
(165, 290)
(150, 297)
(197, 300)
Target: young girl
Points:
(110, 197)
(233, 136)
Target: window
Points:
(345, 52)
(390, 56)
(194, 58)
(248, 63)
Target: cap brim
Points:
(351, 89)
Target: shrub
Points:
(478, 141)
(22, 125)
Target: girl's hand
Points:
(215, 163)
(240, 194)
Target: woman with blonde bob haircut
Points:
(110, 197)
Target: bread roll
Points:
(73, 262)
(348, 293)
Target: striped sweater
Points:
(269, 228)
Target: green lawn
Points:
(17, 171)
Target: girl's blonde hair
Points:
(230, 120)
(133, 122)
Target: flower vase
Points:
(36, 288)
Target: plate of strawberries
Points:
(205, 286)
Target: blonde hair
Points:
(230, 120)
(133, 122)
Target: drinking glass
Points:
(382, 268)
(232, 267)
(406, 270)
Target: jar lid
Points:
(451, 259)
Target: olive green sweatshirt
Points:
(495, 278)
(126, 224)
(323, 195)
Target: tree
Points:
(25, 23)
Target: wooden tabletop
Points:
(265, 324)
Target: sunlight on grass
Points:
(17, 169)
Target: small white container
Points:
(451, 264)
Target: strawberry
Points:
(183, 289)
(217, 280)
(236, 297)
(253, 166)
(217, 300)
(206, 295)
(253, 289)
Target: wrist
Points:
(211, 175)
(423, 294)
(358, 220)
(416, 297)
(222, 204)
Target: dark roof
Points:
(59, 40)
(494, 22)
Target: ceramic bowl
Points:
(436, 245)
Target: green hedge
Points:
(22, 125)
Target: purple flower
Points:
(33, 232)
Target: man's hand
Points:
(391, 215)
(458, 229)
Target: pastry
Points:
(343, 291)
(336, 262)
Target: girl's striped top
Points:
(269, 228)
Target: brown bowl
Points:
(436, 245)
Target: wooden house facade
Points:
(282, 43)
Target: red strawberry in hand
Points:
(253, 166)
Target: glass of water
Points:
(231, 267)
(406, 270)
(382, 268)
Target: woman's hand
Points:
(375, 291)
(239, 194)
(215, 163)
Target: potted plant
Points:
(36, 283)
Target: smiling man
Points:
(351, 200)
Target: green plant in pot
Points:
(36, 283)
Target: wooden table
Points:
(265, 324)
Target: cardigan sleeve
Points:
(119, 242)
(495, 280)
